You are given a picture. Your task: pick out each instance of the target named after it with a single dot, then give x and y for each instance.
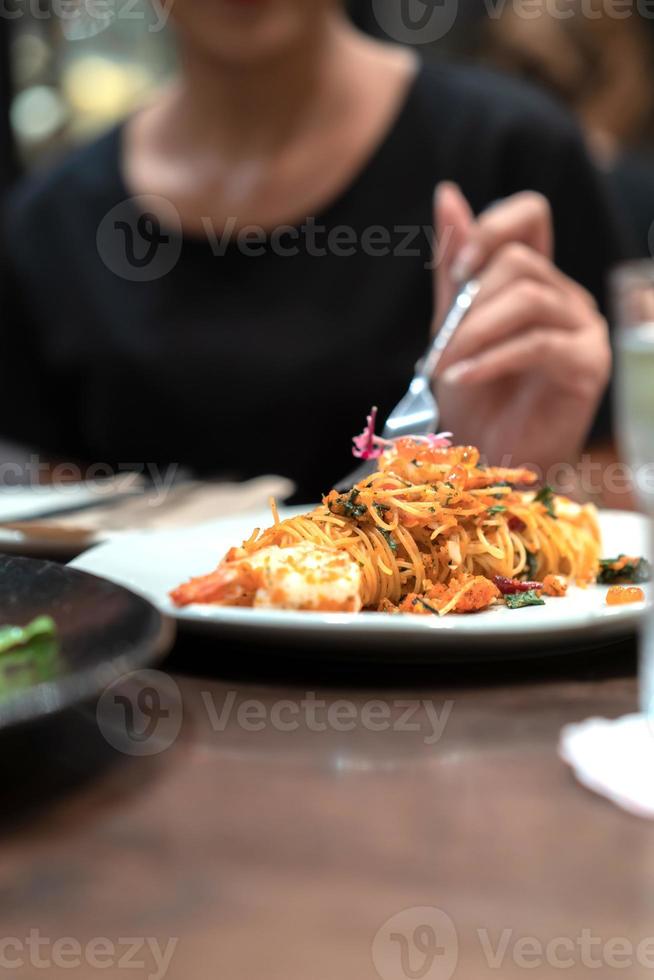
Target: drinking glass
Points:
(633, 294)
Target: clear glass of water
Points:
(633, 294)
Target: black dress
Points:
(123, 341)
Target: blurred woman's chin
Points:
(246, 31)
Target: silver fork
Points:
(417, 414)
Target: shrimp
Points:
(418, 463)
(302, 577)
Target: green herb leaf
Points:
(352, 508)
(635, 572)
(545, 496)
(520, 599)
(388, 537)
(532, 566)
(426, 605)
(496, 509)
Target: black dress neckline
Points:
(396, 137)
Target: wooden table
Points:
(282, 854)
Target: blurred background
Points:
(65, 77)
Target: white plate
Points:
(154, 563)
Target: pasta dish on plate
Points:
(432, 531)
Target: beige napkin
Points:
(192, 502)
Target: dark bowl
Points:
(104, 632)
(49, 736)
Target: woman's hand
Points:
(525, 372)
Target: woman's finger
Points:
(525, 217)
(582, 365)
(515, 262)
(513, 310)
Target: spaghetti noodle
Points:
(431, 531)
